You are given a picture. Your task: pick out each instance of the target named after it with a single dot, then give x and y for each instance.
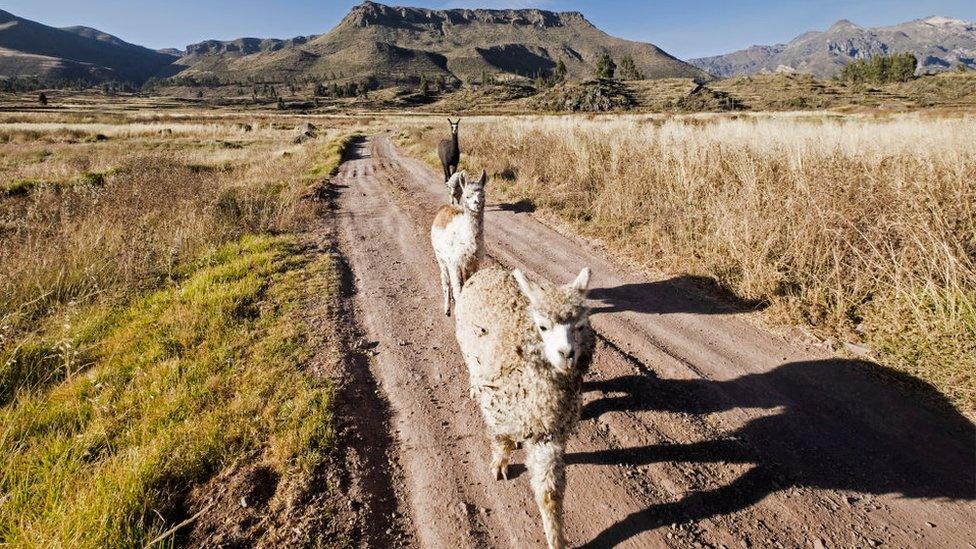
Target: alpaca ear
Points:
(455, 184)
(529, 289)
(582, 281)
(456, 180)
(484, 178)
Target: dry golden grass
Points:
(85, 214)
(864, 228)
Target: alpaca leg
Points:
(501, 453)
(455, 275)
(548, 476)
(445, 288)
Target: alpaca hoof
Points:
(501, 472)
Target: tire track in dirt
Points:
(699, 427)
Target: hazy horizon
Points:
(696, 28)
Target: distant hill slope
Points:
(939, 43)
(391, 43)
(28, 48)
(95, 34)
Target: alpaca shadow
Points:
(522, 206)
(681, 294)
(358, 149)
(329, 192)
(832, 426)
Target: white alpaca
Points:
(527, 348)
(457, 236)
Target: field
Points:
(212, 332)
(156, 280)
(859, 227)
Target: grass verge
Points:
(158, 395)
(332, 156)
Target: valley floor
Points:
(699, 429)
(215, 334)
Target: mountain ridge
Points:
(391, 43)
(940, 43)
(28, 48)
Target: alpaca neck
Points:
(476, 220)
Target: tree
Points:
(362, 90)
(42, 99)
(881, 69)
(424, 85)
(902, 67)
(605, 67)
(281, 104)
(561, 71)
(628, 69)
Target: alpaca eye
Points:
(544, 328)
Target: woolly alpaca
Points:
(449, 151)
(457, 236)
(527, 348)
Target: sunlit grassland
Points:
(159, 394)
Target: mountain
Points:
(393, 43)
(32, 49)
(939, 43)
(95, 34)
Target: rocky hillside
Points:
(394, 43)
(31, 49)
(939, 43)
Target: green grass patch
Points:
(332, 157)
(21, 187)
(930, 334)
(114, 413)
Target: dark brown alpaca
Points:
(449, 152)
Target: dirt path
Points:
(700, 429)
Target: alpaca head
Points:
(454, 126)
(473, 192)
(559, 316)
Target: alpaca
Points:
(457, 236)
(527, 348)
(449, 151)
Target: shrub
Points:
(605, 66)
(629, 70)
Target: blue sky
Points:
(686, 28)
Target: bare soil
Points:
(700, 429)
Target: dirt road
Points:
(700, 428)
